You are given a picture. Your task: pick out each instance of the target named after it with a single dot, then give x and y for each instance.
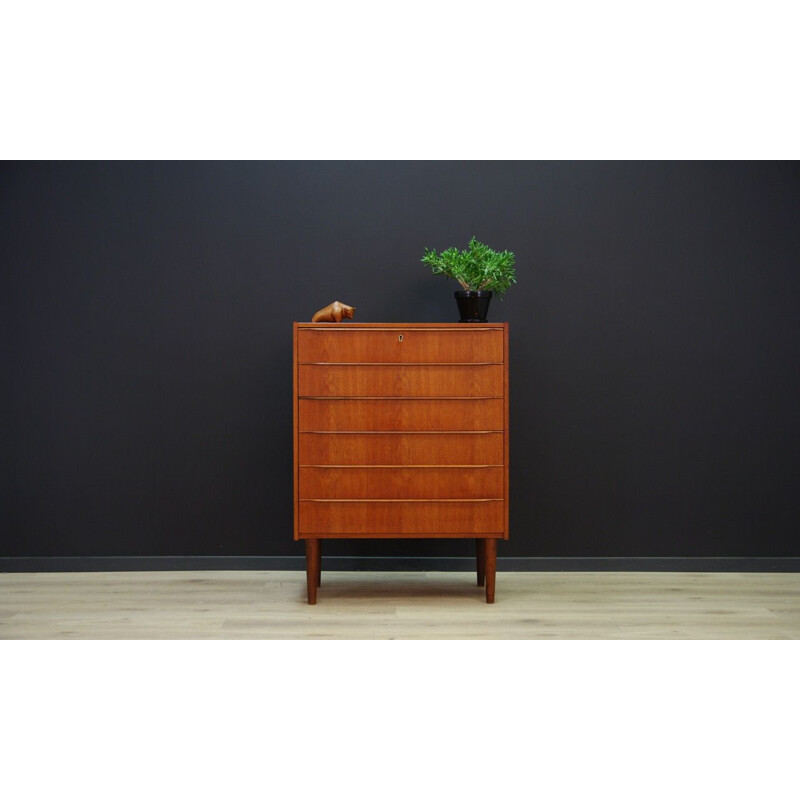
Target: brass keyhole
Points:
(400, 338)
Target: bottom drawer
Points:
(422, 518)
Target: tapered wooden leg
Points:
(319, 562)
(491, 568)
(312, 569)
(480, 552)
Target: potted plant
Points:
(481, 272)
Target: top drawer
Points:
(349, 344)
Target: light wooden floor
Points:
(399, 605)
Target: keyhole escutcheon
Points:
(400, 338)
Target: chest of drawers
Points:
(401, 431)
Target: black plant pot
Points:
(472, 306)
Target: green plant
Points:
(478, 268)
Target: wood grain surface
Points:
(400, 448)
(432, 518)
(400, 483)
(401, 345)
(393, 414)
(382, 380)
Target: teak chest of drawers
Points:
(401, 431)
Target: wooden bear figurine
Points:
(335, 312)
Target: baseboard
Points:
(396, 564)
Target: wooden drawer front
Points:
(321, 517)
(400, 448)
(398, 415)
(399, 483)
(447, 346)
(398, 381)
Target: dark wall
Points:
(146, 346)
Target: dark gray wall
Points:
(146, 346)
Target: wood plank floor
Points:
(399, 605)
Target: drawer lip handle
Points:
(401, 466)
(401, 363)
(316, 326)
(407, 500)
(401, 433)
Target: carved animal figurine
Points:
(335, 312)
